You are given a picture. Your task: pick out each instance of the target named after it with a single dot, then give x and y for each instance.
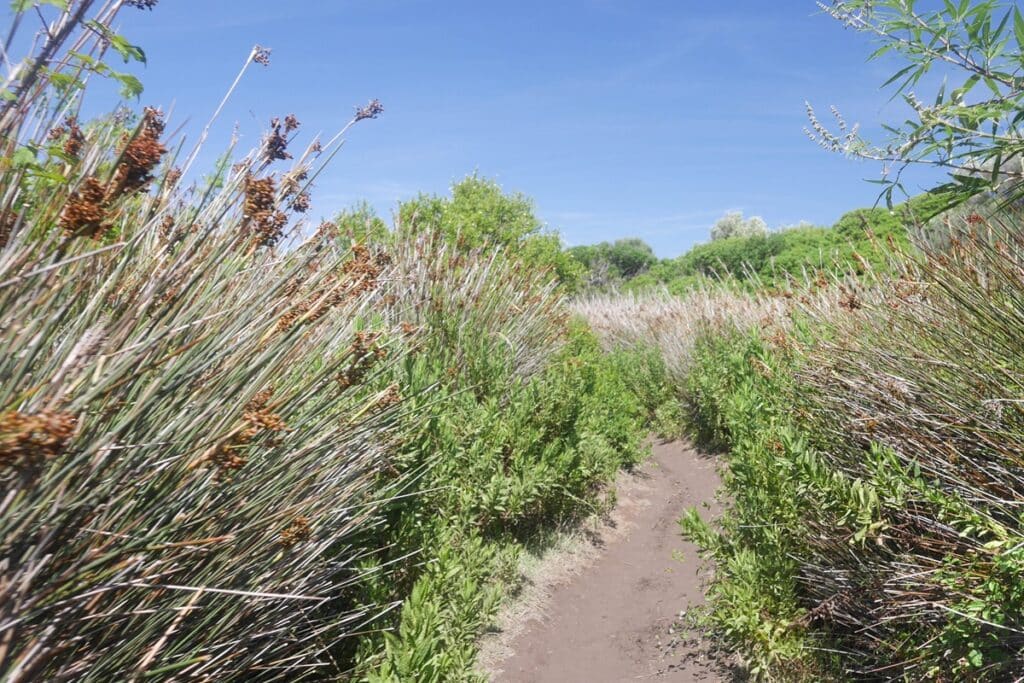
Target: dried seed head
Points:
(7, 221)
(85, 210)
(300, 203)
(172, 177)
(298, 531)
(275, 143)
(140, 155)
(363, 353)
(29, 439)
(75, 138)
(261, 55)
(261, 218)
(259, 420)
(389, 398)
(372, 110)
(849, 300)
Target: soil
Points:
(613, 607)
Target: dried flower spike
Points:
(372, 110)
(29, 439)
(85, 210)
(261, 55)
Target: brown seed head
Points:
(85, 210)
(261, 55)
(275, 143)
(372, 110)
(140, 155)
(29, 439)
(260, 215)
(298, 531)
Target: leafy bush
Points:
(478, 214)
(859, 240)
(626, 258)
(733, 224)
(536, 420)
(874, 473)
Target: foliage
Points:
(361, 225)
(733, 224)
(860, 239)
(625, 258)
(479, 213)
(183, 473)
(972, 126)
(656, 321)
(874, 471)
(536, 420)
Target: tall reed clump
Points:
(875, 472)
(184, 463)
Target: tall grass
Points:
(671, 324)
(874, 531)
(927, 381)
(182, 470)
(233, 447)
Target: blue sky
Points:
(618, 117)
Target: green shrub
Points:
(480, 214)
(873, 473)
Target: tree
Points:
(972, 129)
(733, 224)
(631, 256)
(480, 215)
(625, 258)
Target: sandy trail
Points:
(616, 616)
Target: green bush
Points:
(863, 238)
(508, 464)
(874, 461)
(480, 214)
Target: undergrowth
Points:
(874, 472)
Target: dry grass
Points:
(671, 324)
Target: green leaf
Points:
(127, 51)
(23, 157)
(130, 85)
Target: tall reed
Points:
(183, 464)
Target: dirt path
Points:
(617, 616)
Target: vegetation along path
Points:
(621, 616)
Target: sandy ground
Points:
(609, 605)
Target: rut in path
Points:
(618, 617)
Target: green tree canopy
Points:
(479, 214)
